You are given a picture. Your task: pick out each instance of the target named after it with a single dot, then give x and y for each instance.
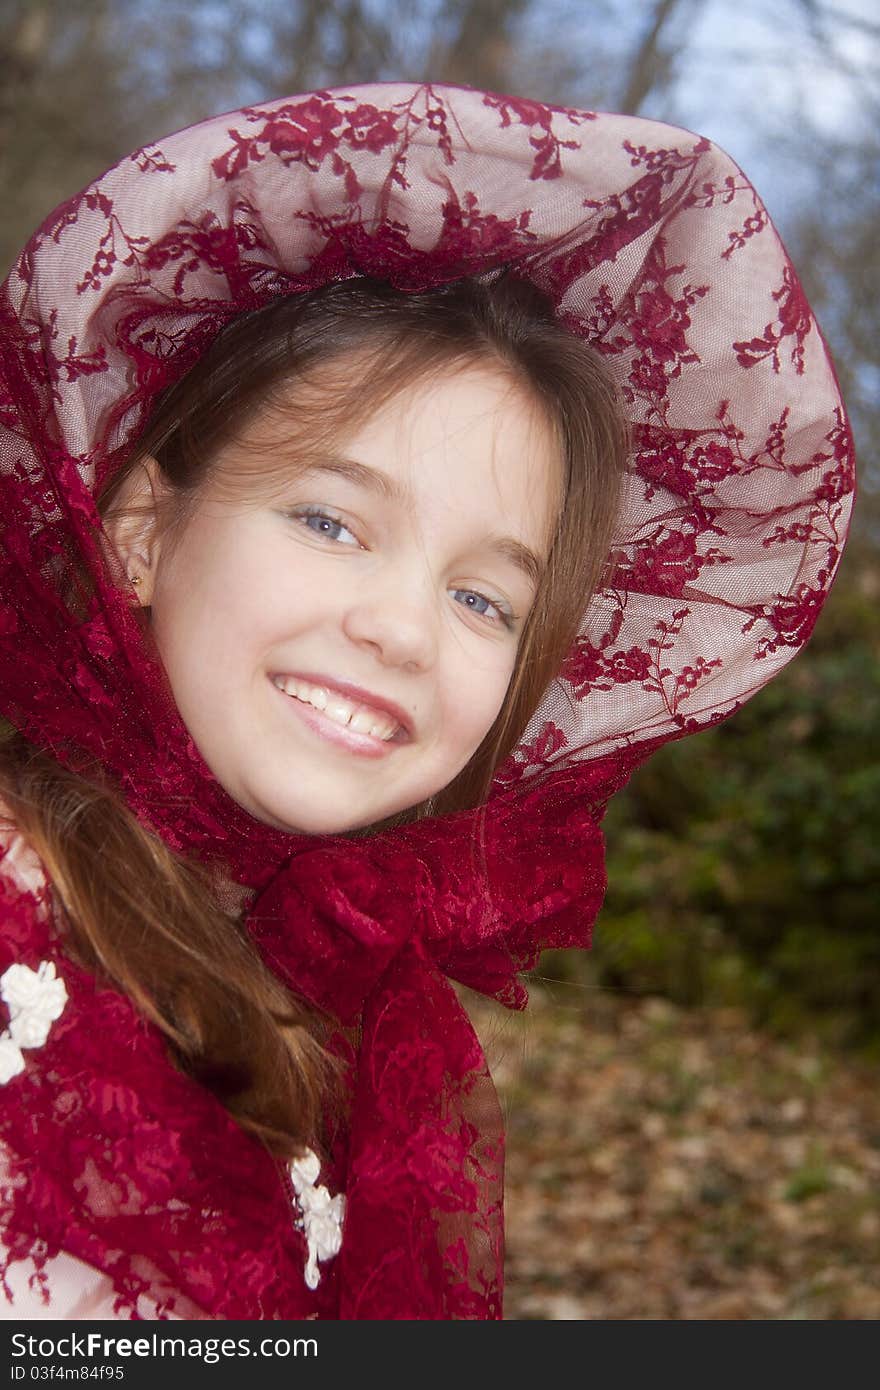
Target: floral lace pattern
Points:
(652, 245)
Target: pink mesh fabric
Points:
(653, 246)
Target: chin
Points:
(307, 823)
(312, 820)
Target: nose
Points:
(394, 618)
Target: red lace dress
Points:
(651, 244)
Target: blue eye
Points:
(470, 595)
(327, 525)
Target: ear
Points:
(132, 527)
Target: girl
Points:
(331, 620)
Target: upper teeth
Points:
(361, 719)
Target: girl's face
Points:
(380, 593)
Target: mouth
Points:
(339, 718)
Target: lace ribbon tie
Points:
(424, 1186)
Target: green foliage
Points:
(812, 1177)
(743, 862)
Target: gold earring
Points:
(135, 579)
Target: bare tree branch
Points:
(651, 64)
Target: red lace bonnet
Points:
(653, 246)
(650, 241)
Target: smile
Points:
(359, 728)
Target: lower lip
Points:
(363, 744)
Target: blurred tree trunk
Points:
(478, 49)
(22, 55)
(651, 65)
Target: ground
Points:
(667, 1164)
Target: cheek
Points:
(473, 700)
(214, 583)
(200, 616)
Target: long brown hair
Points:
(151, 922)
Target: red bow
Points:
(368, 930)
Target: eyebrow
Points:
(520, 555)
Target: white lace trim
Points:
(36, 998)
(321, 1216)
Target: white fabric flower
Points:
(11, 1059)
(321, 1215)
(29, 1029)
(304, 1171)
(35, 991)
(36, 998)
